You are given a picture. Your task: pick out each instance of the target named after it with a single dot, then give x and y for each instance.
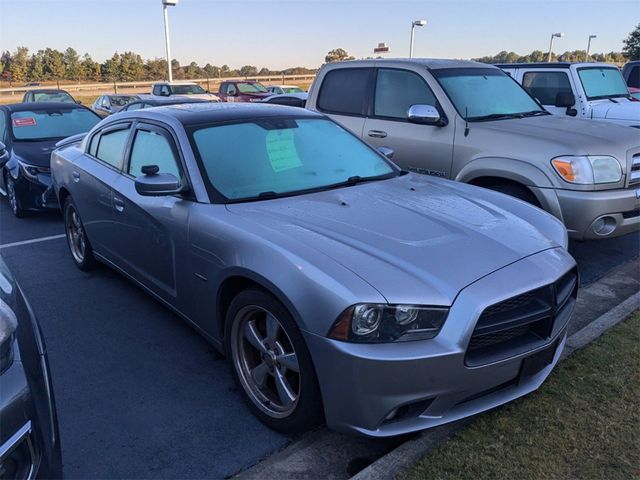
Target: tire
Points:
(264, 368)
(517, 191)
(79, 245)
(12, 196)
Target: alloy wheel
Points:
(75, 234)
(11, 194)
(266, 361)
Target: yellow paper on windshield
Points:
(281, 149)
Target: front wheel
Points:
(271, 363)
(79, 245)
(12, 195)
(517, 191)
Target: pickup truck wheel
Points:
(271, 363)
(12, 196)
(79, 245)
(517, 191)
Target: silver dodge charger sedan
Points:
(338, 285)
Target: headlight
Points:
(31, 171)
(8, 323)
(588, 170)
(380, 323)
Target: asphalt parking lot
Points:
(139, 393)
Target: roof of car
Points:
(21, 107)
(198, 113)
(150, 100)
(47, 90)
(552, 64)
(429, 63)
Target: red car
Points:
(242, 91)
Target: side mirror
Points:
(565, 99)
(424, 115)
(386, 151)
(4, 155)
(154, 184)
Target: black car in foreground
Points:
(29, 438)
(28, 134)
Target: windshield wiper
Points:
(534, 113)
(494, 116)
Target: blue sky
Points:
(279, 34)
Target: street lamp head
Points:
(593, 36)
(170, 3)
(419, 23)
(558, 35)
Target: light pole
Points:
(165, 4)
(553, 35)
(589, 46)
(414, 24)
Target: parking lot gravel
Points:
(139, 393)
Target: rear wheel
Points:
(79, 245)
(271, 363)
(14, 201)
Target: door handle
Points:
(377, 133)
(76, 177)
(118, 204)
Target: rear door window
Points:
(112, 144)
(545, 86)
(344, 91)
(397, 90)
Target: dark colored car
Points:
(631, 74)
(106, 105)
(28, 133)
(288, 99)
(142, 102)
(29, 437)
(243, 91)
(48, 95)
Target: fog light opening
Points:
(604, 226)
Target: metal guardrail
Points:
(107, 87)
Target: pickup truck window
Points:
(251, 87)
(344, 91)
(485, 94)
(545, 86)
(602, 82)
(187, 90)
(267, 158)
(397, 90)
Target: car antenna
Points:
(466, 122)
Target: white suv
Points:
(583, 90)
(191, 90)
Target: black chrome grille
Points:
(523, 322)
(634, 174)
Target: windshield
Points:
(121, 101)
(292, 90)
(42, 125)
(270, 157)
(483, 93)
(53, 97)
(602, 82)
(252, 87)
(187, 89)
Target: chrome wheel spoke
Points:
(273, 328)
(253, 336)
(259, 374)
(287, 396)
(289, 361)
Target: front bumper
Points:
(582, 212)
(430, 382)
(36, 194)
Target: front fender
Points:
(508, 168)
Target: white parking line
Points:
(34, 240)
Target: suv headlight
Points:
(588, 169)
(8, 324)
(381, 323)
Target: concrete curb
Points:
(389, 465)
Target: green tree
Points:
(36, 66)
(631, 48)
(156, 69)
(72, 67)
(211, 71)
(131, 67)
(248, 71)
(19, 65)
(337, 55)
(193, 70)
(5, 63)
(111, 68)
(54, 67)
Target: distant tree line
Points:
(540, 56)
(50, 64)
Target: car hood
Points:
(624, 110)
(35, 153)
(413, 238)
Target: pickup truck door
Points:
(545, 84)
(421, 148)
(151, 231)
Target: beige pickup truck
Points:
(471, 122)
